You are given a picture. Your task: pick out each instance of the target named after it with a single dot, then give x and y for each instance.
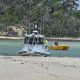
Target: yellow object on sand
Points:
(59, 47)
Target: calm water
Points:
(12, 47)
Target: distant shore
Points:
(48, 38)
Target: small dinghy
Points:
(59, 47)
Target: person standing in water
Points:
(46, 43)
(56, 43)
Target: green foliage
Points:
(59, 17)
(58, 14)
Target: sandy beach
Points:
(39, 68)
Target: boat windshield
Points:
(34, 40)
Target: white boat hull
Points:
(34, 50)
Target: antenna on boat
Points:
(42, 24)
(35, 25)
(28, 15)
(40, 29)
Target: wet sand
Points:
(39, 68)
(77, 39)
(11, 38)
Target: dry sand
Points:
(39, 68)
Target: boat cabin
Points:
(34, 39)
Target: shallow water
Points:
(74, 50)
(12, 47)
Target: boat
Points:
(34, 44)
(58, 47)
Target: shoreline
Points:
(77, 39)
(39, 68)
(10, 38)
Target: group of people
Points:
(32, 40)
